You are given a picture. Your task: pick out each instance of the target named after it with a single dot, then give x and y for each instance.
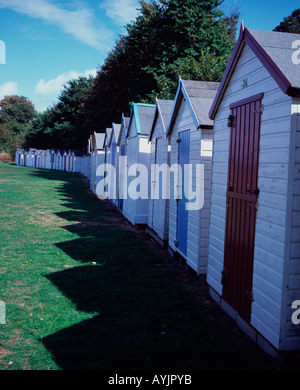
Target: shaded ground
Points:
(113, 298)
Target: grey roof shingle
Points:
(116, 128)
(146, 113)
(99, 140)
(278, 45)
(201, 95)
(163, 108)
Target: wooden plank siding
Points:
(198, 220)
(271, 222)
(292, 331)
(161, 204)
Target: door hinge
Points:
(178, 140)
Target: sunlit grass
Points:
(82, 291)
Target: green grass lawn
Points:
(83, 291)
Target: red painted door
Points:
(241, 200)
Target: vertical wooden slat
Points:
(241, 207)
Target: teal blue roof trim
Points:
(137, 118)
(135, 113)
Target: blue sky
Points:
(48, 42)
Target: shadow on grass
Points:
(142, 317)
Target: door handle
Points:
(253, 192)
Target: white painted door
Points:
(156, 212)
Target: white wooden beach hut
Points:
(25, 157)
(135, 205)
(92, 172)
(76, 160)
(30, 158)
(58, 158)
(99, 156)
(36, 158)
(69, 161)
(17, 157)
(52, 159)
(42, 159)
(114, 157)
(121, 171)
(254, 246)
(85, 161)
(158, 211)
(47, 164)
(20, 156)
(90, 159)
(85, 166)
(190, 130)
(107, 158)
(64, 160)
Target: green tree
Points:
(61, 126)
(290, 24)
(169, 38)
(16, 116)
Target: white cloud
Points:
(121, 11)
(78, 23)
(8, 88)
(55, 85)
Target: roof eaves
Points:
(267, 61)
(177, 100)
(227, 74)
(123, 125)
(156, 112)
(245, 36)
(130, 120)
(137, 118)
(181, 93)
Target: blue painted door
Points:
(182, 213)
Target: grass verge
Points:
(83, 290)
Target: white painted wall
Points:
(158, 209)
(138, 152)
(198, 220)
(273, 184)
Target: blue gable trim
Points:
(180, 93)
(135, 113)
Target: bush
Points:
(5, 157)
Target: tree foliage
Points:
(290, 24)
(16, 116)
(62, 125)
(169, 38)
(191, 38)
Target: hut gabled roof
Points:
(199, 96)
(276, 52)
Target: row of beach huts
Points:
(244, 132)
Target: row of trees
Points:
(193, 39)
